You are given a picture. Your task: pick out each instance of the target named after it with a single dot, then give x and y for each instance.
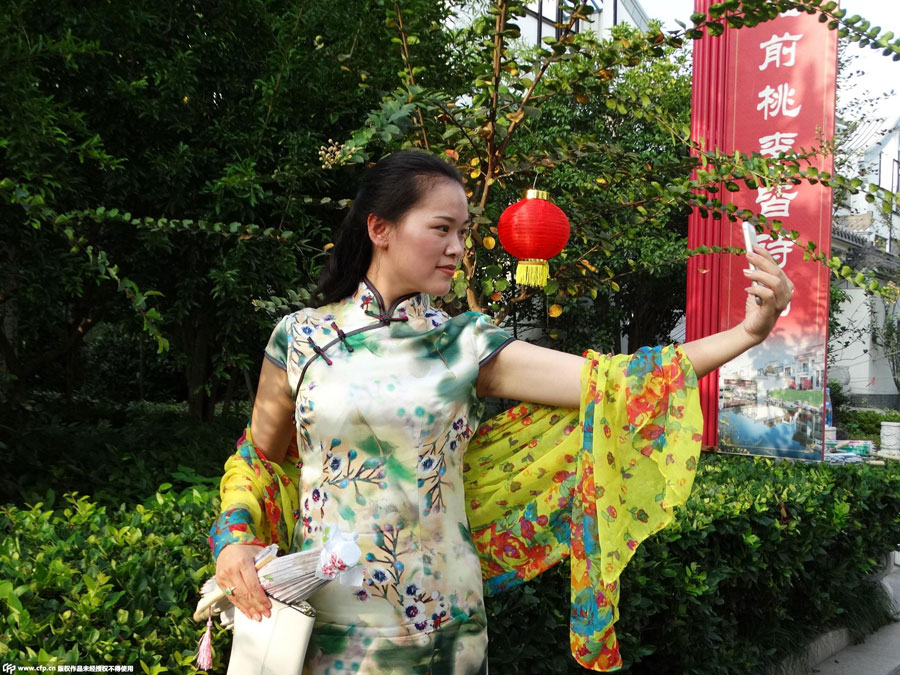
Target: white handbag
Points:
(277, 644)
(274, 646)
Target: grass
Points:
(813, 396)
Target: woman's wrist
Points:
(746, 338)
(708, 353)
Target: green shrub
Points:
(86, 584)
(865, 424)
(839, 399)
(763, 556)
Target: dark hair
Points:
(389, 189)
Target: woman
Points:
(384, 391)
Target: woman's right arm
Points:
(271, 424)
(271, 427)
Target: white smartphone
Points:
(749, 242)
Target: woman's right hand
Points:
(235, 570)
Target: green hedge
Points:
(87, 584)
(767, 554)
(865, 424)
(763, 556)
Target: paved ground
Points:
(879, 654)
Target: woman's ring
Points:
(230, 590)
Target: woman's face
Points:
(424, 248)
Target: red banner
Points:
(776, 95)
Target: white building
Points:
(543, 15)
(876, 147)
(868, 239)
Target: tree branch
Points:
(525, 294)
(75, 336)
(495, 152)
(410, 79)
(517, 119)
(9, 354)
(278, 81)
(472, 143)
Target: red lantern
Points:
(533, 230)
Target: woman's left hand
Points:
(775, 293)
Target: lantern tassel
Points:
(532, 272)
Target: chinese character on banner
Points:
(778, 47)
(778, 101)
(777, 248)
(775, 202)
(777, 143)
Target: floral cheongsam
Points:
(540, 483)
(385, 407)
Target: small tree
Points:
(887, 337)
(494, 128)
(168, 153)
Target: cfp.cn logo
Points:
(8, 668)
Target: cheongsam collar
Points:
(404, 308)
